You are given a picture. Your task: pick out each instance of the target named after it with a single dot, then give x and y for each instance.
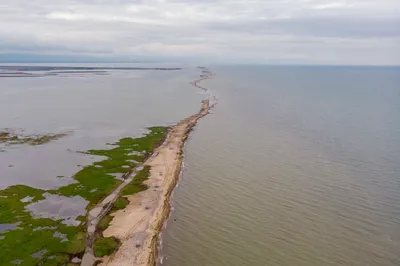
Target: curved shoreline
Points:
(138, 225)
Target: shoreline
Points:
(138, 225)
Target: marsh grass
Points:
(33, 235)
(104, 223)
(104, 246)
(137, 183)
(94, 182)
(120, 203)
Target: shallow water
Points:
(59, 207)
(296, 166)
(5, 227)
(92, 110)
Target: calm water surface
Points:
(92, 109)
(296, 166)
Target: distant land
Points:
(10, 71)
(57, 58)
(62, 68)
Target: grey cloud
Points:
(308, 31)
(323, 27)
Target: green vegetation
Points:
(104, 246)
(104, 222)
(54, 239)
(96, 181)
(137, 183)
(77, 244)
(120, 203)
(14, 139)
(34, 235)
(12, 209)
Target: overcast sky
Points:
(241, 31)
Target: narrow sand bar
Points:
(138, 225)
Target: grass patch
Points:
(94, 182)
(120, 203)
(77, 243)
(104, 222)
(137, 183)
(104, 246)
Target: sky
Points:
(337, 32)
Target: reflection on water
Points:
(6, 227)
(297, 166)
(59, 207)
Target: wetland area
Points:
(62, 222)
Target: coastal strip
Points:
(137, 226)
(206, 74)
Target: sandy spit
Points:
(138, 225)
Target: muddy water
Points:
(296, 166)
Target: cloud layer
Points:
(243, 31)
